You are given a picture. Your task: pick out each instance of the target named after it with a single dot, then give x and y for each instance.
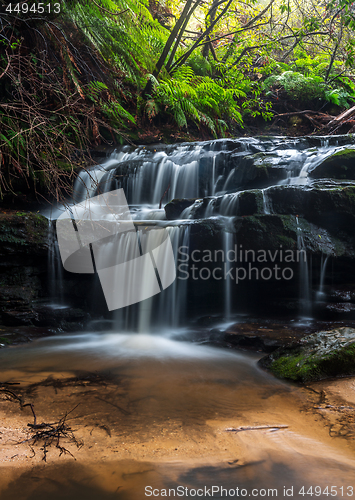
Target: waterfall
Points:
(55, 268)
(304, 276)
(197, 170)
(213, 186)
(168, 308)
(228, 244)
(230, 204)
(312, 160)
(320, 295)
(267, 204)
(159, 310)
(211, 175)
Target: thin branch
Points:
(7, 67)
(108, 11)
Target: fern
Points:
(190, 97)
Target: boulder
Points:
(174, 208)
(315, 357)
(340, 165)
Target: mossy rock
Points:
(251, 202)
(340, 165)
(174, 208)
(315, 357)
(23, 232)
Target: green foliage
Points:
(187, 96)
(200, 65)
(297, 86)
(310, 88)
(338, 96)
(81, 77)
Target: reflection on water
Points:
(156, 414)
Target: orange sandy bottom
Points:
(163, 424)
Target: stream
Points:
(161, 411)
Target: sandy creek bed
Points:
(153, 412)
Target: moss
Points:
(264, 167)
(340, 165)
(23, 229)
(348, 152)
(286, 241)
(295, 368)
(302, 367)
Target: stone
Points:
(340, 165)
(315, 357)
(174, 208)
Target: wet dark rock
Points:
(250, 202)
(342, 308)
(12, 335)
(65, 318)
(174, 208)
(275, 231)
(252, 342)
(262, 336)
(23, 233)
(23, 265)
(332, 208)
(315, 357)
(18, 318)
(340, 165)
(341, 293)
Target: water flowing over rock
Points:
(247, 218)
(247, 197)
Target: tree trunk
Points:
(187, 54)
(177, 42)
(148, 88)
(230, 49)
(209, 19)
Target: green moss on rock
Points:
(318, 356)
(340, 165)
(22, 230)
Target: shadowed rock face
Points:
(340, 165)
(23, 264)
(24, 247)
(317, 356)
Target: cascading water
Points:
(304, 276)
(228, 244)
(229, 205)
(267, 206)
(215, 176)
(320, 295)
(55, 268)
(159, 403)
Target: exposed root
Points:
(45, 434)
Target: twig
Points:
(165, 192)
(108, 11)
(7, 67)
(255, 428)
